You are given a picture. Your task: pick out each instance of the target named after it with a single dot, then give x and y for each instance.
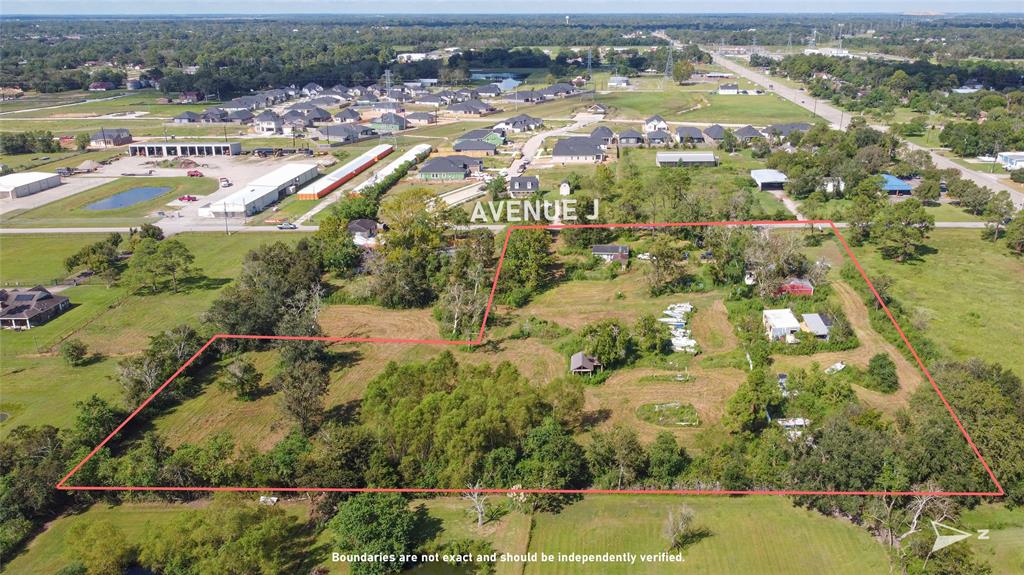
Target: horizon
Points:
(463, 8)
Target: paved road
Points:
(841, 119)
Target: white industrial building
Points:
(1011, 160)
(261, 192)
(26, 183)
(172, 149)
(769, 179)
(686, 159)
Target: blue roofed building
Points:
(894, 186)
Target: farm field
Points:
(144, 101)
(74, 210)
(964, 291)
(765, 535)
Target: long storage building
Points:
(261, 192)
(331, 181)
(414, 155)
(26, 183)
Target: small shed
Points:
(583, 364)
(779, 324)
(814, 324)
(769, 179)
(796, 286)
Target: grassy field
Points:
(765, 535)
(73, 210)
(144, 101)
(756, 110)
(670, 103)
(967, 291)
(1004, 550)
(38, 258)
(42, 100)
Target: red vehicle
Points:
(195, 174)
(187, 198)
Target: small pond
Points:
(127, 198)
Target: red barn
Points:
(796, 286)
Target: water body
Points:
(127, 198)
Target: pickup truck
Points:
(195, 174)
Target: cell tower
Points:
(590, 72)
(789, 44)
(668, 62)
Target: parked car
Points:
(195, 174)
(225, 183)
(187, 198)
(287, 226)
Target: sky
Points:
(126, 7)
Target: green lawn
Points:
(670, 103)
(765, 535)
(968, 293)
(73, 210)
(135, 101)
(42, 100)
(951, 213)
(61, 159)
(43, 390)
(38, 258)
(757, 110)
(1004, 549)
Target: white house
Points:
(729, 90)
(618, 82)
(780, 325)
(655, 123)
(1011, 160)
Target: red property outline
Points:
(480, 339)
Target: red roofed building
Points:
(796, 286)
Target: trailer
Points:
(335, 179)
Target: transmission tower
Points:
(590, 72)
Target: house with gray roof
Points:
(475, 147)
(186, 118)
(631, 138)
(658, 138)
(472, 108)
(747, 133)
(523, 186)
(583, 364)
(577, 149)
(716, 132)
(689, 135)
(347, 115)
(520, 123)
(28, 308)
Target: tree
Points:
(997, 212)
(153, 261)
(497, 186)
(928, 191)
(882, 372)
(666, 271)
(339, 252)
(477, 501)
(463, 299)
(608, 341)
(75, 352)
(667, 460)
(748, 408)
(82, 141)
(900, 229)
(616, 458)
(651, 335)
(101, 547)
(551, 460)
(682, 70)
(302, 386)
(681, 530)
(375, 524)
(94, 421)
(230, 536)
(525, 268)
(241, 377)
(1015, 235)
(730, 143)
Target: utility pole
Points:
(590, 74)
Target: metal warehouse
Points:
(171, 149)
(331, 181)
(26, 184)
(261, 192)
(413, 155)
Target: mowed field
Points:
(764, 535)
(74, 211)
(968, 294)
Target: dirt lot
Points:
(621, 395)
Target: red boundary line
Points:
(480, 339)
